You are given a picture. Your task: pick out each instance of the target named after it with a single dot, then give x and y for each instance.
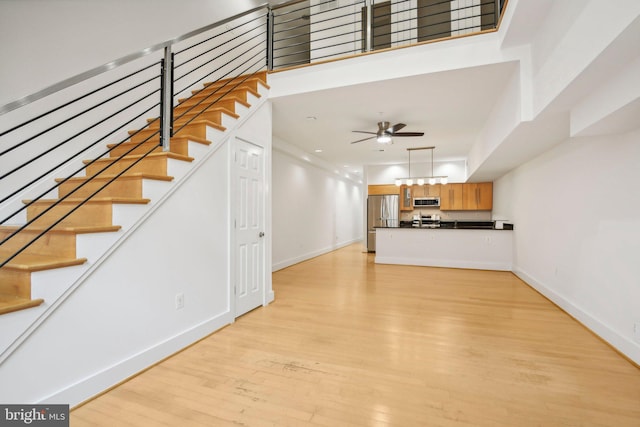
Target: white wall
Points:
(314, 210)
(577, 231)
(67, 37)
(121, 318)
(455, 170)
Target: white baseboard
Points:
(115, 374)
(447, 263)
(621, 343)
(303, 257)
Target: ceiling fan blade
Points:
(364, 131)
(408, 134)
(396, 127)
(364, 139)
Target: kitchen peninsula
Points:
(457, 232)
(484, 249)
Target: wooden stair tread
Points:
(173, 139)
(33, 262)
(212, 109)
(135, 157)
(10, 303)
(200, 122)
(72, 200)
(244, 85)
(137, 175)
(181, 101)
(65, 229)
(200, 93)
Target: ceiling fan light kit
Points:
(386, 133)
(432, 180)
(384, 139)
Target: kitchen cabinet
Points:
(418, 190)
(383, 189)
(477, 196)
(406, 198)
(451, 197)
(432, 190)
(426, 190)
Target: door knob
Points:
(261, 234)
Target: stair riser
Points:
(211, 116)
(138, 150)
(229, 104)
(16, 283)
(212, 94)
(152, 165)
(56, 244)
(240, 96)
(251, 84)
(90, 214)
(119, 188)
(197, 130)
(260, 76)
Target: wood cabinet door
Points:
(485, 196)
(478, 196)
(383, 189)
(432, 190)
(470, 197)
(406, 199)
(418, 190)
(451, 197)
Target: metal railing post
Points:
(166, 99)
(369, 26)
(270, 40)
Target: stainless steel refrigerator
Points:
(382, 211)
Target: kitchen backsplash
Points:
(448, 215)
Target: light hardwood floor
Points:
(349, 342)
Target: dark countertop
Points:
(458, 225)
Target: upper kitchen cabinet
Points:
(432, 190)
(426, 190)
(451, 197)
(478, 196)
(383, 189)
(406, 198)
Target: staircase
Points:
(102, 218)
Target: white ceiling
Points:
(449, 107)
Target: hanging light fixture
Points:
(432, 179)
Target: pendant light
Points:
(432, 179)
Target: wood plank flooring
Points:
(351, 343)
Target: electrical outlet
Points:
(179, 301)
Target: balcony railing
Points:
(309, 31)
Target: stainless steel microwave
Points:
(426, 202)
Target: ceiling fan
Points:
(386, 132)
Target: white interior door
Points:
(249, 227)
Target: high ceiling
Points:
(449, 107)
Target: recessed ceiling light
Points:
(346, 166)
(318, 150)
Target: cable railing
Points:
(70, 122)
(67, 130)
(305, 31)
